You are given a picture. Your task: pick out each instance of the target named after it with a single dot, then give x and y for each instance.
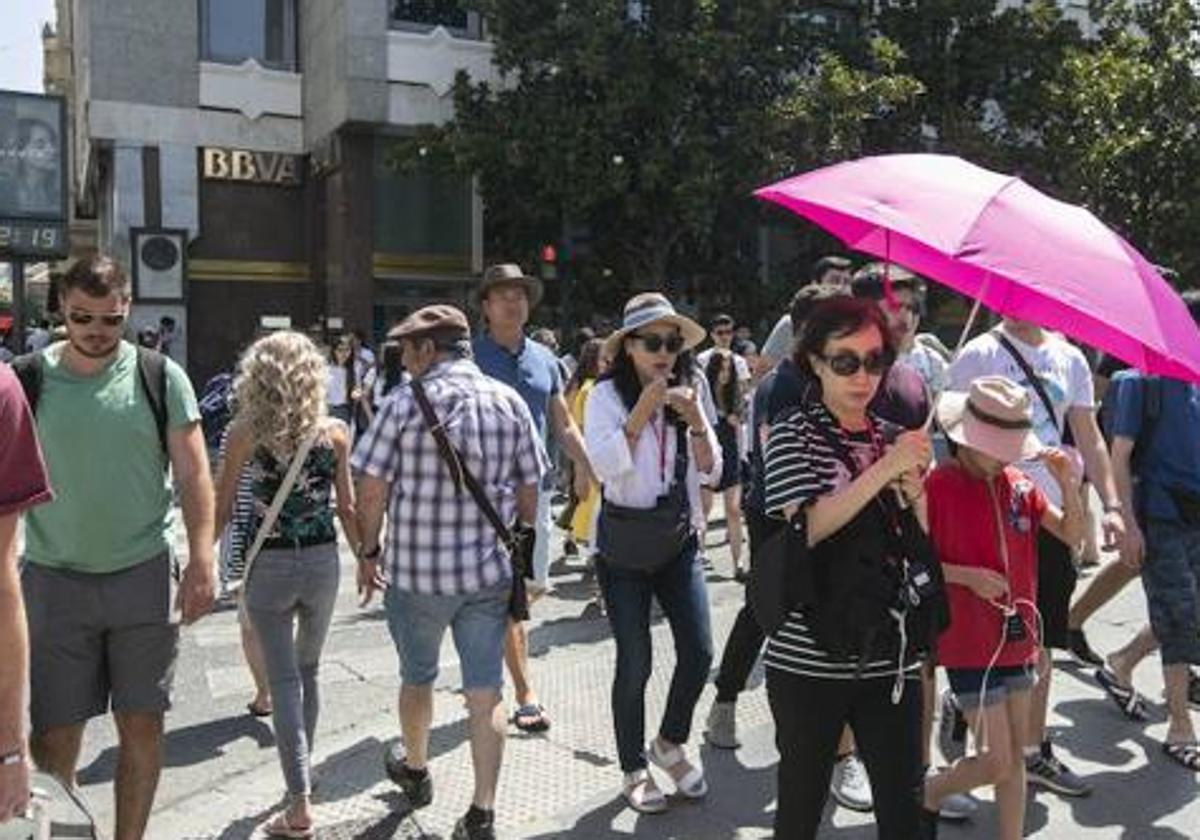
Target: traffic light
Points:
(548, 262)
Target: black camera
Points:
(918, 586)
(1014, 628)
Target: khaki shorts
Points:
(99, 639)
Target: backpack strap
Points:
(28, 368)
(152, 373)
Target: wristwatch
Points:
(1114, 507)
(373, 554)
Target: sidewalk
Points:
(565, 783)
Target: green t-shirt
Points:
(112, 498)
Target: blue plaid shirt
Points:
(438, 541)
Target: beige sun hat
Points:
(995, 417)
(653, 308)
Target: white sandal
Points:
(692, 783)
(642, 794)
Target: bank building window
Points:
(424, 15)
(232, 31)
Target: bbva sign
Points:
(252, 167)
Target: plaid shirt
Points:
(438, 541)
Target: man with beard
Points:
(98, 571)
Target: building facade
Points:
(236, 154)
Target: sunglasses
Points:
(848, 364)
(654, 343)
(85, 318)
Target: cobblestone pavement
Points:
(221, 778)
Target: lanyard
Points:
(998, 517)
(659, 426)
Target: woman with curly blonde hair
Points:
(279, 404)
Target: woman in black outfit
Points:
(841, 657)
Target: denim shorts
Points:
(969, 689)
(1170, 576)
(477, 620)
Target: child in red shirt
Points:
(984, 516)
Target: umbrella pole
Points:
(962, 339)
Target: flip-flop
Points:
(1126, 697)
(534, 717)
(280, 826)
(1187, 755)
(257, 711)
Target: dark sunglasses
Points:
(654, 343)
(85, 318)
(848, 364)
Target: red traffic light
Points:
(549, 254)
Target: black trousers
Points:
(809, 716)
(746, 639)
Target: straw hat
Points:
(653, 308)
(995, 417)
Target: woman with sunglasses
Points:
(832, 469)
(649, 434)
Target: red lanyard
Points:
(660, 429)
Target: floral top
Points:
(307, 514)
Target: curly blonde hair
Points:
(279, 391)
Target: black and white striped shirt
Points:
(801, 467)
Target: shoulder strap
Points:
(28, 368)
(152, 373)
(1023, 364)
(285, 488)
(681, 453)
(458, 468)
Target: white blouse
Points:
(637, 479)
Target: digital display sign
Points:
(33, 176)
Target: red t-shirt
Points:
(23, 481)
(962, 527)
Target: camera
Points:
(918, 585)
(1014, 628)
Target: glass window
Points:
(232, 31)
(424, 15)
(421, 214)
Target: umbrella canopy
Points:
(997, 239)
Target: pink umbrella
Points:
(997, 239)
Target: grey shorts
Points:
(96, 639)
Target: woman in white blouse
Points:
(648, 405)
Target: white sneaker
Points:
(721, 730)
(850, 785)
(957, 807)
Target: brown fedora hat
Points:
(510, 274)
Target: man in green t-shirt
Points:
(98, 575)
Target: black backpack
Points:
(152, 374)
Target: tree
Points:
(1121, 128)
(650, 123)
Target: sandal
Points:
(691, 784)
(1187, 755)
(257, 711)
(1126, 697)
(531, 717)
(281, 826)
(642, 794)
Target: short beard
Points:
(88, 354)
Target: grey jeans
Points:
(289, 587)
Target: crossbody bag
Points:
(1065, 437)
(518, 541)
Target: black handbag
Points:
(778, 569)
(518, 540)
(647, 539)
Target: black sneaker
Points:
(1044, 770)
(472, 827)
(416, 787)
(1080, 649)
(1194, 690)
(928, 827)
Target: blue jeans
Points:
(1171, 577)
(290, 598)
(680, 590)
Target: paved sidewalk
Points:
(565, 783)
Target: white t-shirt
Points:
(335, 386)
(1064, 374)
(739, 363)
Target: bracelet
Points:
(373, 554)
(1114, 507)
(9, 759)
(696, 433)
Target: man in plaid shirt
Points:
(443, 563)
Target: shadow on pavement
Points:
(188, 746)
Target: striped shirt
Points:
(801, 467)
(438, 540)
